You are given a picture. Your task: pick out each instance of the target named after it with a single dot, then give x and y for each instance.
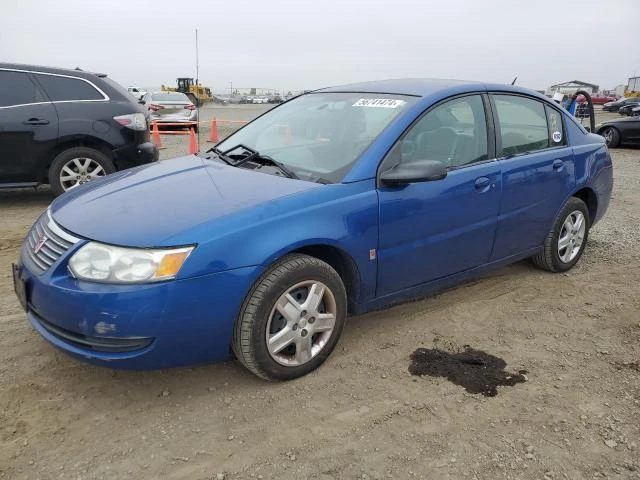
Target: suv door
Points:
(28, 128)
(537, 171)
(433, 229)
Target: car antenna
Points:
(514, 80)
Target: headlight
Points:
(105, 263)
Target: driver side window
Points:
(454, 133)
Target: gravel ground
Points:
(575, 414)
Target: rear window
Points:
(16, 88)
(61, 89)
(170, 97)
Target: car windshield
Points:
(169, 97)
(319, 136)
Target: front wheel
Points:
(565, 242)
(76, 166)
(291, 320)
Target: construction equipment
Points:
(196, 92)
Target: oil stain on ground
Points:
(475, 370)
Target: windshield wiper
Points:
(220, 154)
(254, 155)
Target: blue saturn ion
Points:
(339, 201)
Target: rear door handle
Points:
(483, 184)
(558, 164)
(36, 121)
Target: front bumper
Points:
(136, 327)
(135, 155)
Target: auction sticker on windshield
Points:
(379, 102)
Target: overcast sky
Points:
(297, 44)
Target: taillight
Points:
(134, 121)
(190, 107)
(154, 108)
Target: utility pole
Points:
(231, 88)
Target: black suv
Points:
(66, 127)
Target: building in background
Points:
(633, 85)
(571, 87)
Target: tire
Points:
(71, 163)
(260, 319)
(554, 258)
(611, 136)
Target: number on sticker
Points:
(379, 103)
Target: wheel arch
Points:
(590, 198)
(341, 261)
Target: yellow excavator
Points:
(196, 92)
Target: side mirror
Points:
(416, 171)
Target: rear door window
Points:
(16, 88)
(60, 89)
(523, 124)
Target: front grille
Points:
(46, 242)
(97, 344)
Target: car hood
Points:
(146, 206)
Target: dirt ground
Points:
(362, 415)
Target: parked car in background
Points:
(342, 200)
(614, 106)
(137, 92)
(622, 131)
(628, 106)
(635, 111)
(259, 100)
(597, 99)
(67, 127)
(171, 107)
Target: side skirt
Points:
(434, 286)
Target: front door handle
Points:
(36, 121)
(483, 184)
(558, 164)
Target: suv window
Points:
(64, 88)
(523, 124)
(454, 133)
(16, 88)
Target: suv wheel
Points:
(76, 166)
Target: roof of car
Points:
(60, 71)
(421, 87)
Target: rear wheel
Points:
(565, 242)
(291, 320)
(611, 136)
(76, 166)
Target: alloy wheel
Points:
(301, 323)
(78, 171)
(571, 236)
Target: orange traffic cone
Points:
(193, 142)
(156, 135)
(213, 137)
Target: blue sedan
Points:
(342, 200)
